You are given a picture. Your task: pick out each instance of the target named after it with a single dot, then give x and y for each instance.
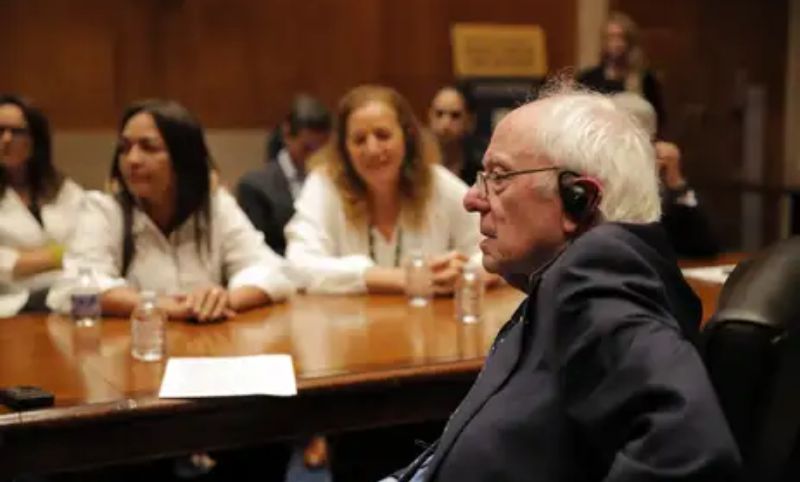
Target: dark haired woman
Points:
(168, 229)
(37, 208)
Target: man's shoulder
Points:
(261, 175)
(619, 261)
(611, 250)
(611, 240)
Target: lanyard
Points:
(397, 248)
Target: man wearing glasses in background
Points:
(595, 377)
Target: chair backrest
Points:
(751, 348)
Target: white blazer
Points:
(238, 255)
(330, 255)
(19, 229)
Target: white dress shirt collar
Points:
(290, 170)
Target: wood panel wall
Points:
(237, 63)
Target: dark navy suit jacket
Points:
(266, 198)
(595, 378)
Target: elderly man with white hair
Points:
(682, 216)
(595, 376)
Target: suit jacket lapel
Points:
(406, 474)
(280, 190)
(499, 365)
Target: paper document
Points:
(711, 274)
(229, 377)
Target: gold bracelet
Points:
(57, 252)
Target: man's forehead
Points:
(512, 140)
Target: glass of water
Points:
(419, 280)
(148, 329)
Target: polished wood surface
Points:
(360, 361)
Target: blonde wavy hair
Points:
(421, 153)
(637, 63)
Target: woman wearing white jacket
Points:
(168, 229)
(38, 206)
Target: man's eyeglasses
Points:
(16, 132)
(487, 179)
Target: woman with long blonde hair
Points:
(378, 194)
(623, 65)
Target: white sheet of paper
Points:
(711, 274)
(229, 377)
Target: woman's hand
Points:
(209, 303)
(447, 269)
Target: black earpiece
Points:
(580, 196)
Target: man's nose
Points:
(475, 201)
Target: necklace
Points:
(397, 248)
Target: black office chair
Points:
(751, 348)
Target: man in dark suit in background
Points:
(267, 195)
(683, 216)
(595, 376)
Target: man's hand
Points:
(668, 157)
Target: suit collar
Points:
(499, 365)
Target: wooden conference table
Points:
(360, 362)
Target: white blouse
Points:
(19, 229)
(330, 255)
(169, 265)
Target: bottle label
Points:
(85, 305)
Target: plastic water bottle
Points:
(85, 299)
(148, 329)
(419, 280)
(469, 295)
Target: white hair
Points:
(638, 107)
(587, 133)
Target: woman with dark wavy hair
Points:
(168, 229)
(37, 207)
(378, 194)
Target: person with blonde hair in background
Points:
(378, 195)
(623, 65)
(38, 205)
